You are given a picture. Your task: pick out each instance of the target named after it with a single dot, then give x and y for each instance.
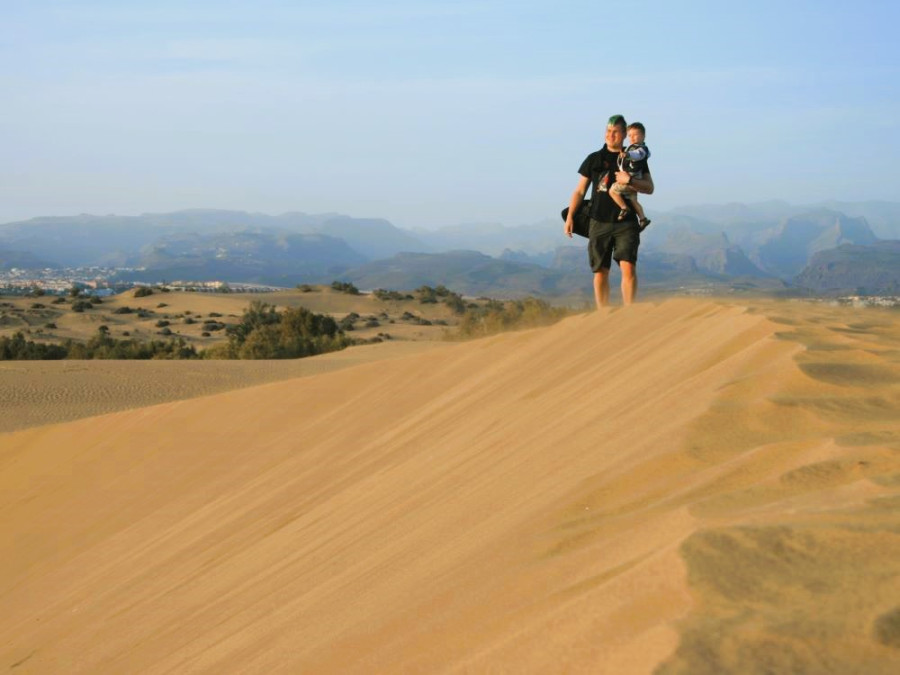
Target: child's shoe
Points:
(644, 222)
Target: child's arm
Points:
(637, 152)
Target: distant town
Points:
(104, 281)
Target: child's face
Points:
(635, 136)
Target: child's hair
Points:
(638, 126)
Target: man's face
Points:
(615, 135)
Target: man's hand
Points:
(569, 227)
(623, 177)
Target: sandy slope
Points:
(690, 487)
(33, 393)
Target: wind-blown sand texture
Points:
(43, 392)
(689, 487)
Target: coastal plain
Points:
(681, 486)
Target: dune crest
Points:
(555, 500)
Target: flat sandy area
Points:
(690, 486)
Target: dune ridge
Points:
(628, 491)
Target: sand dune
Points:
(690, 487)
(34, 393)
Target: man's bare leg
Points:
(601, 288)
(629, 282)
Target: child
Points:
(628, 160)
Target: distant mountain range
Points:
(765, 245)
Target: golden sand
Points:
(688, 487)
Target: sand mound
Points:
(690, 487)
(34, 393)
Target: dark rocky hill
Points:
(873, 269)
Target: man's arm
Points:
(575, 203)
(643, 185)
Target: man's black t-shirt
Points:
(601, 167)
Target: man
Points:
(610, 238)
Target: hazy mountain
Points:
(704, 242)
(869, 269)
(78, 240)
(257, 257)
(883, 217)
(712, 253)
(467, 272)
(737, 213)
(493, 239)
(373, 238)
(22, 260)
(787, 252)
(113, 240)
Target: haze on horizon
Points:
(438, 113)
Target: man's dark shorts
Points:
(608, 241)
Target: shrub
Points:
(455, 302)
(122, 310)
(495, 316)
(81, 305)
(382, 294)
(349, 321)
(345, 287)
(427, 295)
(264, 333)
(16, 348)
(143, 291)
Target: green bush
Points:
(426, 294)
(384, 295)
(345, 287)
(265, 333)
(101, 346)
(16, 348)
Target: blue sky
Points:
(438, 113)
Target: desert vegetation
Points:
(494, 316)
(299, 322)
(100, 346)
(265, 333)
